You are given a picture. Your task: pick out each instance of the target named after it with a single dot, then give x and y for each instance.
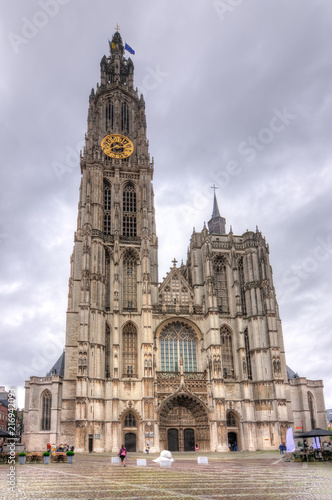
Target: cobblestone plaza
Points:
(259, 475)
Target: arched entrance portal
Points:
(130, 441)
(233, 431)
(183, 422)
(232, 441)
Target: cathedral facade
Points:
(198, 358)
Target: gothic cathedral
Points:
(198, 358)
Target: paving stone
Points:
(236, 476)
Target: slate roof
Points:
(290, 373)
(59, 367)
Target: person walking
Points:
(123, 455)
(196, 448)
(281, 448)
(147, 448)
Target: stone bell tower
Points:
(114, 268)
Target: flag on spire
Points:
(129, 49)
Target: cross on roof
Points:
(117, 27)
(174, 262)
(214, 187)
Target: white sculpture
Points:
(166, 456)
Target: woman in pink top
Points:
(123, 455)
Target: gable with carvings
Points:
(175, 290)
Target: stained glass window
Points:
(231, 420)
(178, 341)
(130, 420)
(129, 211)
(129, 350)
(46, 411)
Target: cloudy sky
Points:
(238, 94)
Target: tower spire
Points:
(217, 224)
(116, 68)
(215, 212)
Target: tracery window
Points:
(109, 114)
(129, 211)
(311, 410)
(248, 358)
(129, 282)
(178, 341)
(226, 352)
(107, 208)
(231, 419)
(130, 420)
(241, 286)
(124, 117)
(221, 284)
(46, 411)
(129, 350)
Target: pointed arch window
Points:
(109, 115)
(129, 211)
(178, 341)
(107, 208)
(248, 358)
(129, 350)
(46, 411)
(311, 410)
(124, 117)
(221, 284)
(226, 352)
(241, 286)
(130, 420)
(129, 282)
(231, 419)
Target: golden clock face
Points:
(117, 146)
